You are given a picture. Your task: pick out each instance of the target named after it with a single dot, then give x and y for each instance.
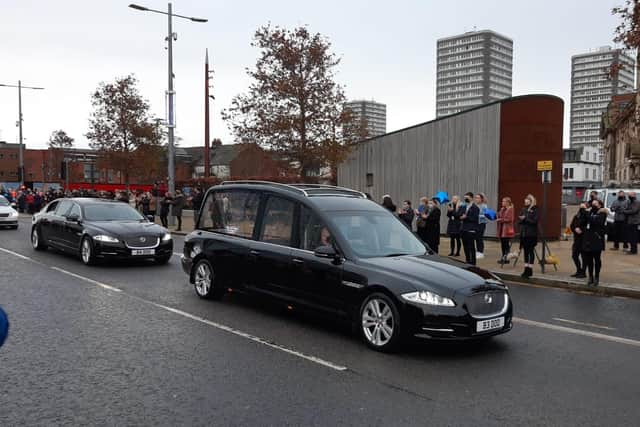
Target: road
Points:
(133, 345)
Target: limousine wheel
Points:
(86, 251)
(380, 322)
(204, 281)
(36, 240)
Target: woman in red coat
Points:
(506, 228)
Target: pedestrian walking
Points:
(619, 221)
(178, 205)
(432, 226)
(455, 209)
(577, 226)
(481, 202)
(528, 221)
(406, 214)
(387, 203)
(421, 223)
(632, 214)
(506, 228)
(593, 241)
(165, 204)
(469, 228)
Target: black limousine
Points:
(98, 229)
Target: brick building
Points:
(619, 130)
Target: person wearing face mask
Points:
(593, 241)
(454, 210)
(529, 233)
(632, 213)
(406, 214)
(578, 225)
(619, 220)
(506, 228)
(481, 201)
(469, 228)
(593, 195)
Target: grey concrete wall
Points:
(454, 154)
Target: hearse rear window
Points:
(230, 212)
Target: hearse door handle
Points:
(298, 261)
(253, 252)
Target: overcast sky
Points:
(387, 50)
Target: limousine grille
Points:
(487, 304)
(4, 215)
(142, 242)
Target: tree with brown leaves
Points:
(293, 105)
(628, 33)
(121, 130)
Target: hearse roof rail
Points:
(307, 190)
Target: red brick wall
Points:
(9, 164)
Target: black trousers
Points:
(576, 256)
(163, 219)
(480, 237)
(632, 232)
(593, 262)
(456, 243)
(179, 218)
(505, 244)
(529, 246)
(619, 234)
(469, 245)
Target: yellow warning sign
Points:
(545, 165)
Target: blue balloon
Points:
(490, 214)
(442, 196)
(4, 326)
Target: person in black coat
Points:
(469, 228)
(388, 204)
(454, 210)
(406, 214)
(529, 233)
(593, 241)
(165, 204)
(578, 224)
(432, 225)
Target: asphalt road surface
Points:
(133, 345)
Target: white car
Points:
(8, 215)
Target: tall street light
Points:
(21, 155)
(170, 92)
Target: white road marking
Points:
(596, 335)
(252, 337)
(592, 325)
(16, 254)
(86, 279)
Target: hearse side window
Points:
(230, 212)
(52, 206)
(277, 222)
(313, 232)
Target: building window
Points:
(369, 180)
(570, 173)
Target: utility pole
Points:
(20, 146)
(207, 167)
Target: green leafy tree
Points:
(293, 105)
(121, 129)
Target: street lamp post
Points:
(20, 148)
(170, 92)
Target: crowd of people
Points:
(469, 216)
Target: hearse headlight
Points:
(428, 298)
(167, 236)
(105, 238)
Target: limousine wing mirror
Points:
(73, 218)
(326, 252)
(151, 218)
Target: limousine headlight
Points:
(167, 236)
(428, 298)
(105, 238)
(13, 214)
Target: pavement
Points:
(133, 345)
(620, 275)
